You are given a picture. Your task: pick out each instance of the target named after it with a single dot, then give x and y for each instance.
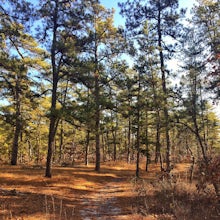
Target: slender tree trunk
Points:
(201, 140)
(114, 146)
(158, 121)
(107, 144)
(97, 97)
(37, 152)
(147, 144)
(62, 122)
(103, 147)
(61, 141)
(87, 147)
(38, 143)
(30, 151)
(97, 110)
(14, 153)
(138, 131)
(129, 140)
(165, 104)
(114, 133)
(53, 117)
(88, 131)
(18, 126)
(194, 118)
(97, 123)
(138, 152)
(157, 151)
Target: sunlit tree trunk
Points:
(53, 117)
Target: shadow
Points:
(72, 193)
(24, 204)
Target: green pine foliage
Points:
(76, 88)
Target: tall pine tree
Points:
(163, 15)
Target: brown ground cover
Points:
(72, 193)
(81, 193)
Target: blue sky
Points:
(119, 20)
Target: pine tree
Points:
(195, 102)
(60, 23)
(20, 54)
(98, 50)
(163, 17)
(206, 17)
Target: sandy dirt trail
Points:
(73, 193)
(107, 202)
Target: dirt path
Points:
(80, 193)
(72, 193)
(105, 202)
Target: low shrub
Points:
(171, 198)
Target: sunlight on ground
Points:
(77, 192)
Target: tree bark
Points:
(165, 104)
(114, 135)
(157, 150)
(97, 123)
(138, 130)
(61, 141)
(147, 144)
(53, 116)
(14, 153)
(18, 126)
(87, 147)
(129, 139)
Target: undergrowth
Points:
(172, 198)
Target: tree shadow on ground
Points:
(70, 194)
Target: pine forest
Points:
(109, 113)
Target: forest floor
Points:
(81, 193)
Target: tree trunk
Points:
(157, 150)
(129, 140)
(30, 151)
(138, 130)
(103, 147)
(87, 148)
(138, 153)
(114, 133)
(61, 141)
(14, 153)
(97, 97)
(53, 116)
(97, 123)
(158, 123)
(51, 139)
(18, 126)
(147, 144)
(165, 104)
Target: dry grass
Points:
(72, 193)
(176, 198)
(114, 193)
